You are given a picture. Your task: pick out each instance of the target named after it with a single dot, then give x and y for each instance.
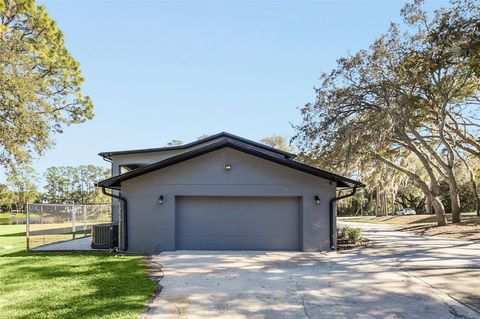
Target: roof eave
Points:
(115, 182)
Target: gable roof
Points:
(199, 142)
(115, 182)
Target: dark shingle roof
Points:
(199, 142)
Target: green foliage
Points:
(403, 193)
(174, 142)
(459, 32)
(68, 184)
(341, 232)
(69, 285)
(355, 205)
(6, 198)
(467, 198)
(353, 234)
(22, 180)
(412, 95)
(201, 137)
(40, 82)
(277, 141)
(64, 184)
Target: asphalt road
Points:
(452, 266)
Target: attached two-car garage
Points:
(237, 223)
(226, 194)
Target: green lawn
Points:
(68, 285)
(8, 215)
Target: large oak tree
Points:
(408, 95)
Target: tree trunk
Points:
(385, 204)
(477, 206)
(439, 211)
(431, 191)
(394, 200)
(378, 207)
(454, 198)
(428, 205)
(437, 205)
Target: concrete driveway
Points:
(401, 276)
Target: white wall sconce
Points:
(317, 200)
(227, 167)
(160, 200)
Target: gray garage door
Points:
(238, 223)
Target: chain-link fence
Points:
(66, 227)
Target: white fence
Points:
(63, 226)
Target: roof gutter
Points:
(125, 216)
(333, 201)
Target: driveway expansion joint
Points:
(300, 292)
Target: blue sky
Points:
(163, 70)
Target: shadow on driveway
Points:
(366, 283)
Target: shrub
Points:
(353, 234)
(341, 231)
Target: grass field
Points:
(68, 285)
(19, 215)
(468, 229)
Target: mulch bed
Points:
(345, 244)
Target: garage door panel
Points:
(239, 227)
(225, 243)
(247, 223)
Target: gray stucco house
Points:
(222, 192)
